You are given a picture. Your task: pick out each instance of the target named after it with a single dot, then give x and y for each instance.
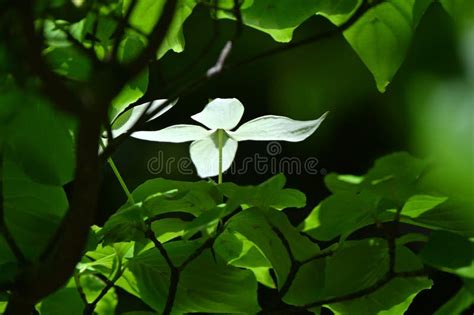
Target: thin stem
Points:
(117, 174)
(220, 144)
(120, 179)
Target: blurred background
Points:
(427, 110)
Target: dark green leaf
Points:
(42, 142)
(457, 304)
(268, 194)
(147, 13)
(340, 213)
(450, 252)
(461, 10)
(32, 210)
(69, 62)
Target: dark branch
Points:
(174, 272)
(363, 292)
(80, 289)
(109, 284)
(295, 265)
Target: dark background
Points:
(427, 111)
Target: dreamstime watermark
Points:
(270, 163)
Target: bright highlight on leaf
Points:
(225, 114)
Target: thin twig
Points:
(90, 307)
(174, 271)
(295, 265)
(80, 289)
(220, 61)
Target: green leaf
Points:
(340, 213)
(253, 225)
(32, 210)
(308, 285)
(268, 194)
(327, 277)
(68, 301)
(259, 227)
(205, 285)
(160, 196)
(338, 11)
(277, 18)
(127, 224)
(450, 252)
(161, 185)
(395, 176)
(368, 263)
(42, 142)
(337, 182)
(69, 62)
(107, 259)
(461, 10)
(452, 215)
(147, 13)
(393, 298)
(457, 304)
(207, 220)
(382, 36)
(419, 204)
(168, 229)
(129, 48)
(237, 251)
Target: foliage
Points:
(184, 246)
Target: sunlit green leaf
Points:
(382, 36)
(68, 301)
(268, 194)
(205, 285)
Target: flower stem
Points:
(119, 177)
(220, 144)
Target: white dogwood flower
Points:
(213, 149)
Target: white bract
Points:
(224, 115)
(123, 121)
